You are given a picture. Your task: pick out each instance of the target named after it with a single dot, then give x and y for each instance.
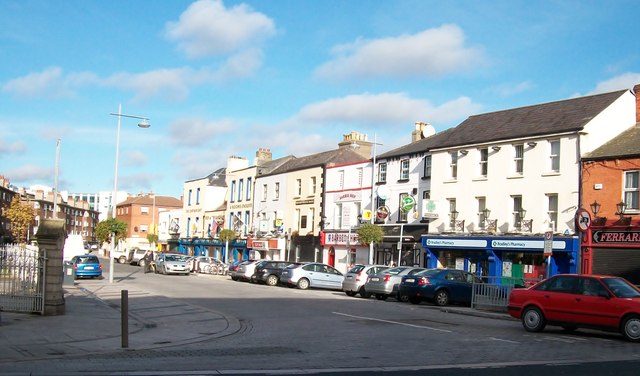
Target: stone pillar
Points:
(51, 236)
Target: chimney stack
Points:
(358, 142)
(416, 135)
(263, 155)
(636, 91)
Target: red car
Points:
(579, 301)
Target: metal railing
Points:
(492, 293)
(21, 279)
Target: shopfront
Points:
(400, 245)
(612, 249)
(342, 250)
(268, 249)
(494, 256)
(214, 248)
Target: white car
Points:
(246, 270)
(172, 263)
(312, 274)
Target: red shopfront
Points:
(612, 248)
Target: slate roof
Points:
(569, 115)
(626, 144)
(265, 167)
(161, 201)
(337, 156)
(421, 146)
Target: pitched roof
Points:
(569, 115)
(266, 167)
(421, 146)
(161, 201)
(626, 144)
(341, 155)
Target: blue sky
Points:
(221, 78)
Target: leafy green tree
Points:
(106, 228)
(20, 215)
(369, 233)
(227, 235)
(152, 238)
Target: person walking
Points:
(147, 262)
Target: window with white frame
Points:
(240, 189)
(453, 165)
(518, 159)
(189, 197)
(341, 179)
(453, 213)
(402, 215)
(312, 214)
(277, 191)
(249, 188)
(313, 185)
(144, 210)
(517, 205)
(631, 190)
(552, 210)
(554, 155)
(482, 218)
(427, 167)
(360, 176)
(337, 219)
(264, 192)
(484, 161)
(404, 169)
(233, 191)
(198, 196)
(382, 172)
(299, 187)
(296, 219)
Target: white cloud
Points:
(47, 82)
(168, 83)
(208, 28)
(192, 132)
(30, 173)
(384, 108)
(431, 53)
(16, 147)
(623, 81)
(135, 158)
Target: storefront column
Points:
(495, 263)
(430, 259)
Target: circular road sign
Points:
(407, 204)
(583, 219)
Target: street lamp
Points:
(373, 184)
(153, 222)
(144, 123)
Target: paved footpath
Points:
(92, 324)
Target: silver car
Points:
(356, 277)
(172, 264)
(385, 283)
(312, 274)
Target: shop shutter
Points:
(619, 262)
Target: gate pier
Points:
(51, 236)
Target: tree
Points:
(21, 216)
(152, 239)
(369, 233)
(106, 228)
(227, 235)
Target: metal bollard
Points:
(124, 317)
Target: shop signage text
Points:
(260, 245)
(616, 237)
(305, 202)
(341, 238)
(456, 243)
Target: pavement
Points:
(92, 324)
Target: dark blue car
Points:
(86, 266)
(440, 286)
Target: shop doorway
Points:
(331, 259)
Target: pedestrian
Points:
(147, 262)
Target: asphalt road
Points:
(286, 330)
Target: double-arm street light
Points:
(144, 123)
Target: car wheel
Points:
(303, 284)
(381, 297)
(164, 270)
(631, 328)
(122, 260)
(402, 298)
(351, 293)
(414, 300)
(141, 263)
(533, 320)
(363, 293)
(441, 298)
(272, 280)
(234, 278)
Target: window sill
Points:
(551, 173)
(425, 178)
(480, 178)
(381, 182)
(515, 176)
(403, 181)
(450, 181)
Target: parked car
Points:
(198, 263)
(440, 286)
(385, 283)
(356, 278)
(86, 266)
(233, 266)
(171, 263)
(312, 274)
(268, 272)
(235, 271)
(245, 270)
(136, 254)
(579, 301)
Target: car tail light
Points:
(387, 278)
(358, 276)
(100, 266)
(424, 281)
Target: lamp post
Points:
(153, 222)
(373, 183)
(144, 123)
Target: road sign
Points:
(548, 243)
(583, 220)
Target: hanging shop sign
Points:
(382, 212)
(429, 209)
(408, 202)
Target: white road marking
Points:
(393, 322)
(503, 340)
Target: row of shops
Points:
(608, 248)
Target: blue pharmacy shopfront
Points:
(508, 256)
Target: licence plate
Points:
(88, 268)
(374, 279)
(410, 280)
(349, 277)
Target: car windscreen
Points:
(356, 269)
(621, 288)
(88, 260)
(429, 272)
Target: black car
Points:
(268, 272)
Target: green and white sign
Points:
(408, 202)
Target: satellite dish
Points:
(383, 192)
(428, 130)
